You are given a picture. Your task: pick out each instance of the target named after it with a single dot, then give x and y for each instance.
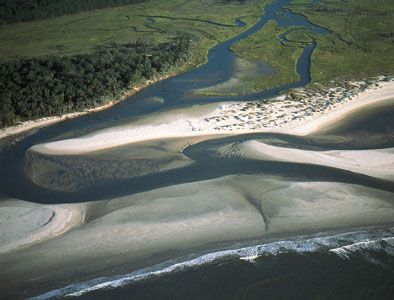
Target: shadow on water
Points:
(283, 276)
(373, 120)
(174, 92)
(207, 165)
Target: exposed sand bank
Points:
(139, 229)
(368, 98)
(72, 173)
(275, 116)
(38, 246)
(377, 162)
(23, 224)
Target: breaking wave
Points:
(385, 245)
(344, 245)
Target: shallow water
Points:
(173, 92)
(285, 274)
(377, 120)
(335, 266)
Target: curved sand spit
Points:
(222, 120)
(377, 163)
(189, 216)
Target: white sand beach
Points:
(280, 116)
(375, 162)
(43, 122)
(145, 228)
(370, 97)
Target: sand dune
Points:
(385, 93)
(377, 163)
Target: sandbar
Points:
(230, 119)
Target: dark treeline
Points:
(36, 87)
(12, 11)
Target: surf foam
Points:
(344, 245)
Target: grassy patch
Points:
(361, 44)
(362, 39)
(244, 74)
(73, 62)
(265, 46)
(83, 32)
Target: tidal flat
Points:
(140, 230)
(190, 196)
(140, 226)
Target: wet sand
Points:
(53, 245)
(72, 173)
(377, 162)
(138, 229)
(23, 224)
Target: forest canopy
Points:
(13, 11)
(47, 86)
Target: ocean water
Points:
(351, 265)
(354, 265)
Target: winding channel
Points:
(204, 163)
(174, 92)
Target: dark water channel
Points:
(287, 275)
(175, 93)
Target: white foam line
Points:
(347, 251)
(338, 244)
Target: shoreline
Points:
(377, 163)
(365, 99)
(275, 116)
(161, 226)
(136, 230)
(47, 121)
(338, 242)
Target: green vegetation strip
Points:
(33, 87)
(265, 46)
(362, 42)
(73, 62)
(83, 32)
